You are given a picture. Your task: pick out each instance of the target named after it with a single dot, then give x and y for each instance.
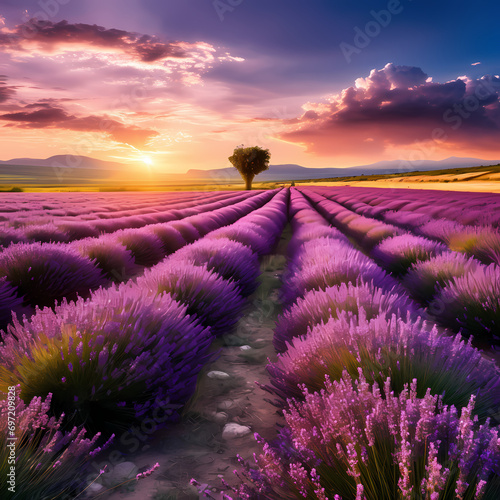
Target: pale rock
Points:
(245, 347)
(233, 430)
(218, 375)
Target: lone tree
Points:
(249, 162)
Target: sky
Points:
(178, 84)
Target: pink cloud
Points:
(50, 35)
(398, 106)
(6, 91)
(49, 116)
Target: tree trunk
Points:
(248, 182)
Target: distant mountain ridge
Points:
(65, 161)
(83, 168)
(296, 172)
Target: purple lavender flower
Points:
(397, 254)
(51, 460)
(472, 303)
(381, 347)
(151, 350)
(230, 259)
(47, 272)
(331, 269)
(214, 300)
(426, 277)
(318, 306)
(247, 234)
(9, 302)
(9, 236)
(351, 441)
(146, 248)
(170, 237)
(46, 233)
(113, 258)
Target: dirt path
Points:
(195, 448)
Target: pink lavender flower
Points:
(425, 278)
(51, 460)
(147, 472)
(397, 254)
(215, 301)
(47, 272)
(472, 303)
(230, 259)
(404, 349)
(153, 351)
(318, 306)
(327, 430)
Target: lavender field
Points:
(121, 313)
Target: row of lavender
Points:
(378, 403)
(461, 293)
(74, 204)
(28, 227)
(40, 274)
(461, 222)
(466, 208)
(128, 354)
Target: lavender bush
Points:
(230, 259)
(352, 442)
(146, 248)
(187, 230)
(114, 259)
(426, 277)
(77, 230)
(48, 272)
(9, 236)
(49, 463)
(397, 254)
(46, 233)
(308, 232)
(319, 251)
(215, 301)
(370, 231)
(247, 234)
(171, 238)
(382, 347)
(109, 360)
(333, 270)
(318, 306)
(481, 242)
(472, 303)
(9, 302)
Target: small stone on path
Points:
(218, 375)
(233, 430)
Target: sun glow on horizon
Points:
(147, 160)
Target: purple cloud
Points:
(400, 106)
(49, 116)
(50, 35)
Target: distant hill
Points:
(289, 172)
(66, 161)
(78, 170)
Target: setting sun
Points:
(147, 160)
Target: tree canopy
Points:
(249, 162)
